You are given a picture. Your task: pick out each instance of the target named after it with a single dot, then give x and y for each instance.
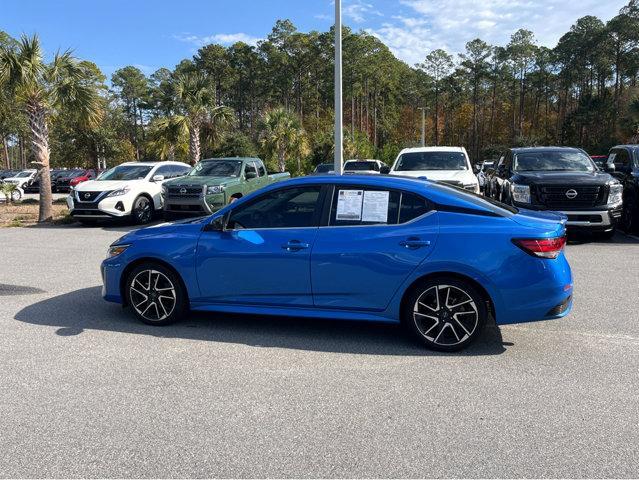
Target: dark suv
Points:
(559, 179)
(623, 162)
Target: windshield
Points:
(553, 161)
(23, 174)
(361, 166)
(217, 168)
(126, 172)
(324, 168)
(431, 161)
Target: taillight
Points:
(541, 247)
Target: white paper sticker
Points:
(375, 207)
(349, 205)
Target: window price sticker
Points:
(375, 208)
(349, 205)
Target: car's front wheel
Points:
(630, 217)
(444, 313)
(155, 294)
(142, 211)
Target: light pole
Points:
(339, 128)
(423, 125)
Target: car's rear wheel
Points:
(16, 195)
(155, 294)
(142, 211)
(445, 313)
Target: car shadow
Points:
(81, 310)
(109, 226)
(581, 238)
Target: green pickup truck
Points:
(213, 183)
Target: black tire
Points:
(142, 210)
(155, 294)
(630, 216)
(438, 326)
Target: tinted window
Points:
(284, 208)
(250, 168)
(217, 168)
(260, 168)
(412, 206)
(126, 172)
(324, 168)
(553, 161)
(179, 170)
(165, 170)
(431, 161)
(361, 166)
(622, 159)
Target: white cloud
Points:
(419, 26)
(358, 11)
(222, 38)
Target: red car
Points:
(74, 177)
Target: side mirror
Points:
(610, 167)
(250, 175)
(218, 224)
(384, 169)
(157, 178)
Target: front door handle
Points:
(295, 245)
(414, 243)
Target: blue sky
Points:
(153, 34)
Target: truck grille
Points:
(568, 196)
(87, 196)
(185, 192)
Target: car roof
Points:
(433, 149)
(229, 158)
(633, 147)
(545, 149)
(150, 164)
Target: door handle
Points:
(295, 245)
(414, 243)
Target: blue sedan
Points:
(437, 259)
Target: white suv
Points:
(443, 164)
(132, 189)
(20, 180)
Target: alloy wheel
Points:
(142, 210)
(152, 295)
(445, 315)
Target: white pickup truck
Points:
(449, 165)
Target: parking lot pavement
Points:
(87, 391)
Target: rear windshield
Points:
(480, 201)
(324, 168)
(217, 168)
(361, 166)
(553, 161)
(440, 160)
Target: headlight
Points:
(115, 250)
(520, 193)
(616, 194)
(119, 192)
(215, 189)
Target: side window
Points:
(359, 205)
(622, 159)
(178, 171)
(283, 208)
(250, 168)
(261, 169)
(164, 170)
(412, 206)
(508, 161)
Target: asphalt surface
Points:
(86, 391)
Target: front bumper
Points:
(600, 219)
(203, 204)
(103, 207)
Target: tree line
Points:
(275, 99)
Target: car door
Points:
(263, 255)
(374, 239)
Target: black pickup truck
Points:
(625, 160)
(558, 179)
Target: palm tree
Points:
(195, 95)
(283, 136)
(41, 89)
(168, 134)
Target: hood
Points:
(187, 225)
(463, 176)
(103, 185)
(194, 181)
(562, 178)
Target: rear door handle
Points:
(295, 245)
(414, 243)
